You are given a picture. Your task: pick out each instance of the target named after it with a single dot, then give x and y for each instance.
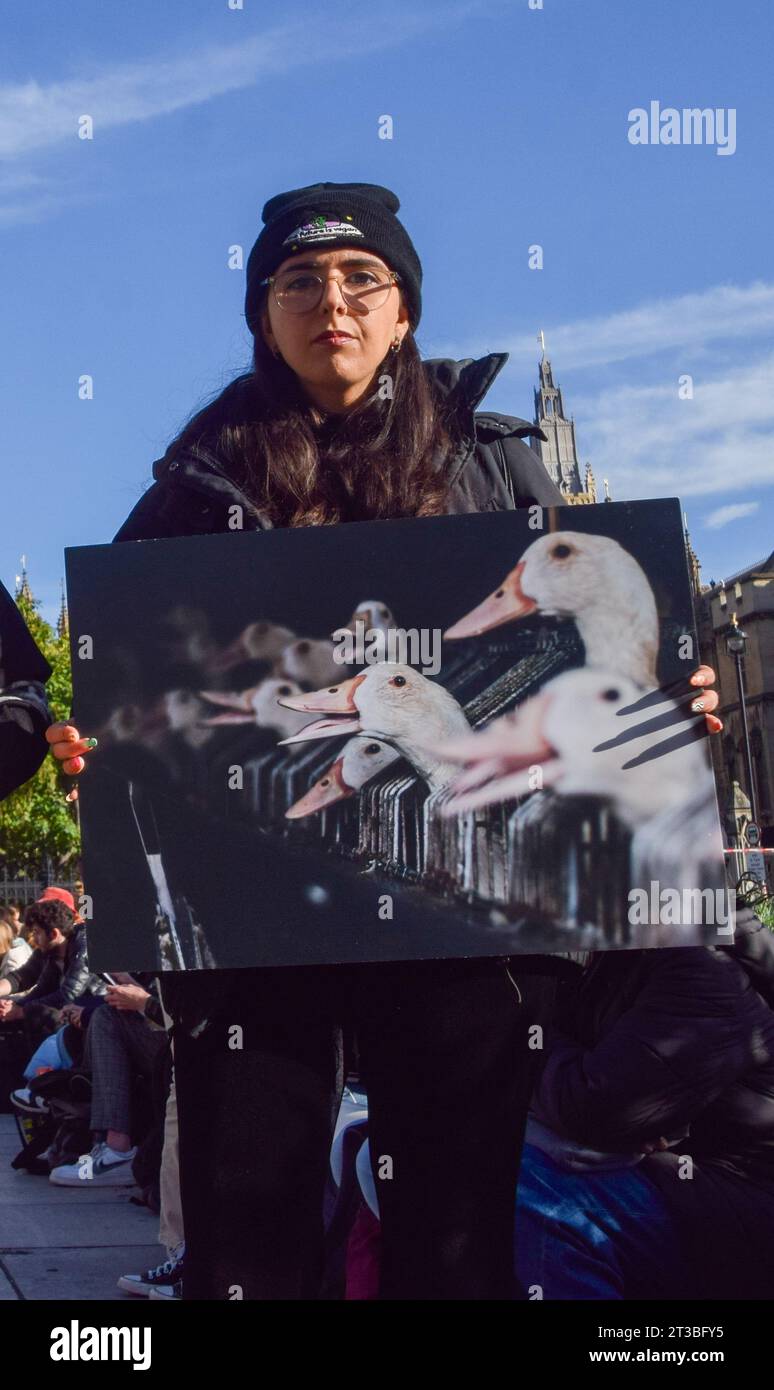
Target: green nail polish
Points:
(91, 742)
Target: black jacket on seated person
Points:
(57, 977)
(680, 1043)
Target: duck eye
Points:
(611, 694)
(560, 552)
(384, 612)
(372, 748)
(284, 690)
(398, 680)
(302, 648)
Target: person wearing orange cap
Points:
(56, 974)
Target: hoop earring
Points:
(395, 345)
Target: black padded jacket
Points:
(491, 469)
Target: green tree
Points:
(38, 827)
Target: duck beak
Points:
(358, 616)
(503, 767)
(503, 606)
(239, 709)
(324, 728)
(330, 788)
(230, 656)
(230, 718)
(334, 699)
(234, 701)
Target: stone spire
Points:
(559, 450)
(23, 589)
(63, 621)
(694, 568)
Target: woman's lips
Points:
(333, 339)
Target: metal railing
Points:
(23, 891)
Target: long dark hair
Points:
(300, 468)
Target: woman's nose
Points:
(332, 296)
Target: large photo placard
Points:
(453, 736)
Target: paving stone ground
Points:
(67, 1243)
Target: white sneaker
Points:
(103, 1167)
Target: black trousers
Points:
(449, 1062)
(40, 1021)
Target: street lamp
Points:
(736, 641)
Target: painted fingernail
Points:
(697, 706)
(90, 742)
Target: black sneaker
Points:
(27, 1102)
(171, 1292)
(164, 1277)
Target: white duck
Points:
(258, 705)
(391, 701)
(592, 734)
(185, 716)
(132, 724)
(259, 641)
(361, 760)
(591, 579)
(310, 661)
(373, 614)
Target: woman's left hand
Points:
(708, 699)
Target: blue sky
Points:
(510, 129)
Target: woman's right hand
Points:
(69, 748)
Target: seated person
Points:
(653, 1171)
(125, 1036)
(14, 950)
(57, 972)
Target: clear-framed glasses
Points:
(300, 291)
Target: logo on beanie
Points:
(322, 229)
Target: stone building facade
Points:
(747, 600)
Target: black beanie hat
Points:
(327, 215)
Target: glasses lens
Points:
(298, 291)
(366, 289)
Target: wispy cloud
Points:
(733, 512)
(653, 443)
(637, 431)
(34, 116)
(684, 325)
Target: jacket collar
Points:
(464, 384)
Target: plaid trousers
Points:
(119, 1044)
